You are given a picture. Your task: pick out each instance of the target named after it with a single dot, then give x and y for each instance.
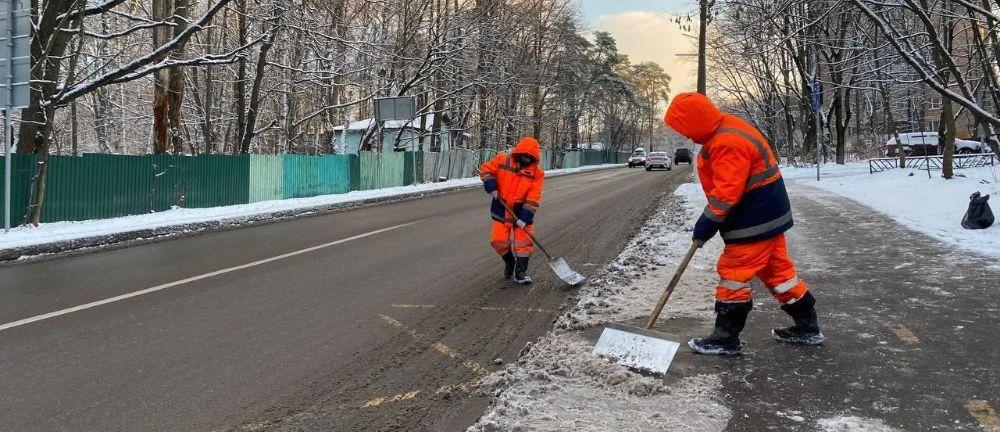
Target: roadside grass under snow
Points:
(560, 385)
(933, 206)
(66, 231)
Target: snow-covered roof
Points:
(591, 146)
(391, 124)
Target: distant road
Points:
(369, 319)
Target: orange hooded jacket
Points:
(519, 187)
(737, 169)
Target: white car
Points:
(658, 160)
(926, 143)
(968, 146)
(638, 158)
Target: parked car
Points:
(967, 146)
(638, 158)
(913, 144)
(926, 143)
(682, 155)
(658, 160)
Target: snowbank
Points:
(853, 424)
(635, 280)
(181, 217)
(933, 206)
(827, 171)
(560, 385)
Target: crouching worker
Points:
(516, 179)
(748, 205)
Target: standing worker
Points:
(516, 179)
(748, 204)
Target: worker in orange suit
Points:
(748, 205)
(516, 179)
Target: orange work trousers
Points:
(767, 260)
(506, 236)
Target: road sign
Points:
(817, 94)
(15, 55)
(15, 66)
(395, 108)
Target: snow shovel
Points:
(645, 349)
(559, 265)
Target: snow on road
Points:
(934, 206)
(65, 231)
(559, 385)
(853, 424)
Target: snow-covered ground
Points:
(934, 206)
(560, 385)
(65, 231)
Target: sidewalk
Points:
(911, 325)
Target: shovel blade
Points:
(563, 270)
(645, 350)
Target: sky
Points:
(644, 31)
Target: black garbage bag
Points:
(979, 215)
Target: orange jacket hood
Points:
(528, 146)
(694, 116)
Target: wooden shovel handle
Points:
(673, 283)
(533, 239)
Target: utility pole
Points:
(704, 7)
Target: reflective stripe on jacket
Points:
(738, 171)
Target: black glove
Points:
(705, 229)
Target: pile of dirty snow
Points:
(558, 384)
(853, 424)
(634, 281)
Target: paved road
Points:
(367, 319)
(911, 325)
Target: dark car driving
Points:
(682, 155)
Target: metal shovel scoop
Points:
(644, 349)
(559, 265)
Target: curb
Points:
(79, 246)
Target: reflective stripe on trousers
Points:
(766, 259)
(506, 237)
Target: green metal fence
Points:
(98, 186)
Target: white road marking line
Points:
(54, 314)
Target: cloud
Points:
(650, 36)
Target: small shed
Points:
(347, 138)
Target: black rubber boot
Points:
(725, 339)
(521, 271)
(806, 329)
(508, 265)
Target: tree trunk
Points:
(74, 138)
(948, 124)
(161, 11)
(255, 99)
(841, 117)
(168, 84)
(240, 86)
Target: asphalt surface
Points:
(369, 319)
(911, 326)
